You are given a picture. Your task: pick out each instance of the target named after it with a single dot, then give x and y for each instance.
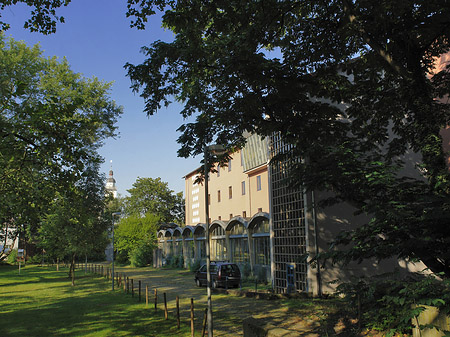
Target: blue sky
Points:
(97, 41)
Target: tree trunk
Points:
(72, 269)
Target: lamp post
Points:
(217, 150)
(112, 269)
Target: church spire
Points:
(111, 183)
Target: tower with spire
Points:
(111, 183)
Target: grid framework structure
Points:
(288, 222)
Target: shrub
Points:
(193, 267)
(246, 271)
(141, 255)
(388, 303)
(176, 261)
(262, 275)
(12, 257)
(35, 259)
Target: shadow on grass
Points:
(88, 309)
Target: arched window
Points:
(239, 243)
(177, 242)
(218, 243)
(261, 242)
(188, 243)
(200, 242)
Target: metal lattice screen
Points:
(288, 221)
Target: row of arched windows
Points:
(237, 240)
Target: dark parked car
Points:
(223, 274)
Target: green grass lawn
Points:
(41, 302)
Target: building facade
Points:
(261, 222)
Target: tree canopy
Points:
(52, 122)
(350, 84)
(154, 196)
(43, 17)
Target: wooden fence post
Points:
(124, 283)
(204, 322)
(120, 280)
(192, 317)
(166, 313)
(156, 299)
(178, 312)
(139, 290)
(132, 288)
(146, 295)
(128, 284)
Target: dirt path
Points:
(228, 310)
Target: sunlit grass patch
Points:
(41, 302)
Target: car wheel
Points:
(198, 283)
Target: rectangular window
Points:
(219, 217)
(229, 165)
(218, 170)
(230, 192)
(258, 183)
(259, 210)
(242, 157)
(218, 196)
(231, 215)
(244, 214)
(243, 187)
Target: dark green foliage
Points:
(35, 259)
(142, 255)
(43, 14)
(12, 257)
(246, 271)
(193, 267)
(388, 303)
(175, 261)
(351, 85)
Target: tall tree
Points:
(351, 84)
(52, 121)
(153, 196)
(75, 224)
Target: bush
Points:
(35, 259)
(142, 255)
(175, 261)
(193, 267)
(246, 271)
(389, 304)
(12, 257)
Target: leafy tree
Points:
(135, 235)
(153, 196)
(52, 121)
(43, 14)
(75, 223)
(350, 84)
